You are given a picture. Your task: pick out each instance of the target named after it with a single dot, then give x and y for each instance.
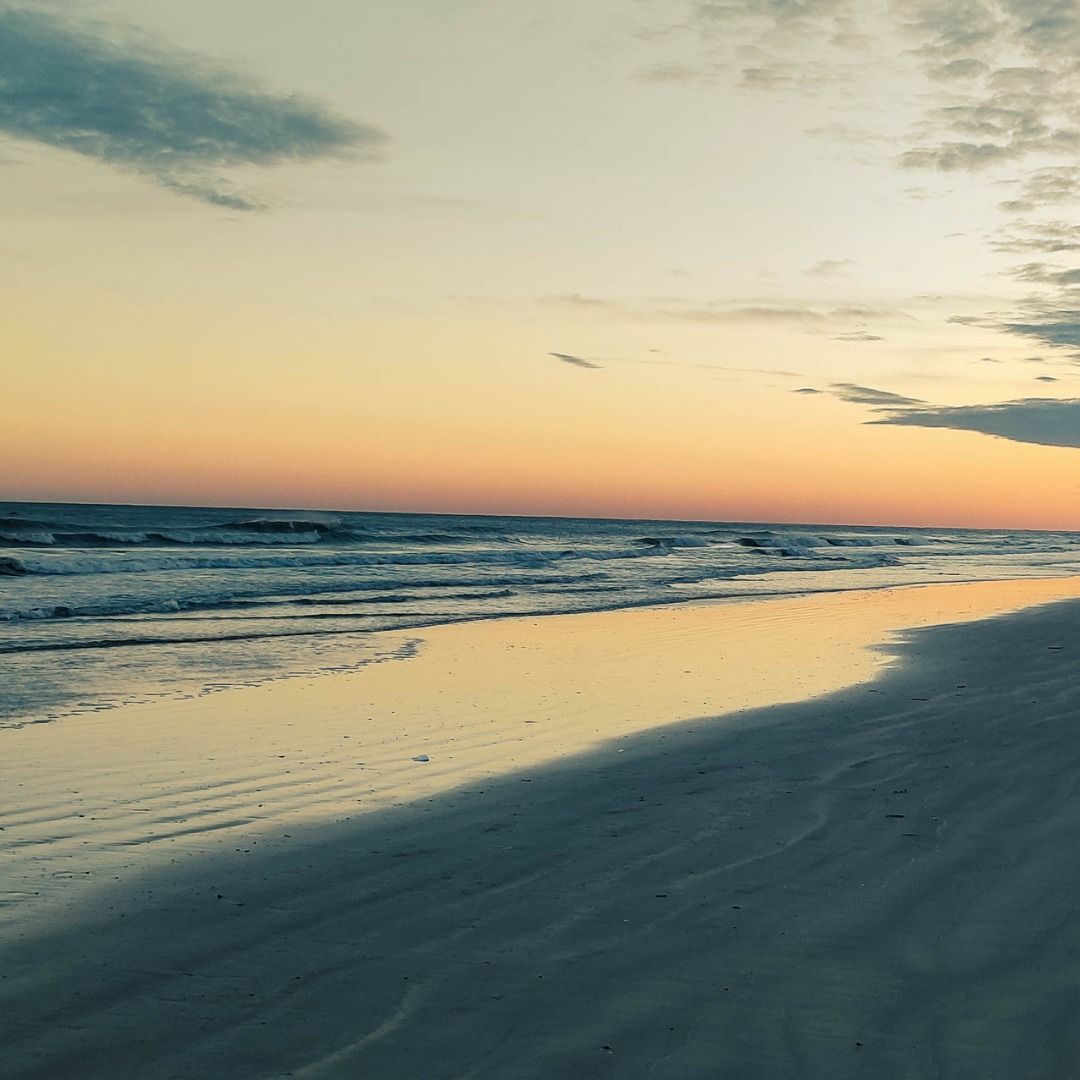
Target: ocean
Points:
(102, 605)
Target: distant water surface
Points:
(105, 604)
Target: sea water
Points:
(100, 605)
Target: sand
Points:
(879, 881)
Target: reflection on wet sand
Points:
(88, 799)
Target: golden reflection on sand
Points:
(92, 795)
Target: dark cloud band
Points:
(173, 118)
(1043, 421)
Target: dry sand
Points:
(879, 882)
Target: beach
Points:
(838, 860)
(540, 542)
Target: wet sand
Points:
(878, 881)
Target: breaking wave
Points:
(77, 581)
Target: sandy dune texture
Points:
(883, 882)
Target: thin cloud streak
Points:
(862, 395)
(793, 313)
(576, 361)
(829, 268)
(869, 395)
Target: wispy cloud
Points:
(859, 335)
(171, 117)
(1042, 237)
(579, 300)
(1002, 96)
(863, 395)
(673, 72)
(813, 318)
(1004, 70)
(1046, 187)
(1054, 328)
(829, 268)
(1044, 274)
(869, 395)
(760, 313)
(1042, 421)
(1049, 320)
(576, 361)
(835, 18)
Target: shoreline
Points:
(873, 878)
(408, 634)
(126, 605)
(102, 796)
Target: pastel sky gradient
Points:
(729, 259)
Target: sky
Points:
(746, 260)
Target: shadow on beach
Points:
(877, 883)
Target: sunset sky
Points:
(739, 260)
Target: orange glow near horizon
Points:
(826, 468)
(715, 314)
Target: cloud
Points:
(794, 314)
(1056, 325)
(672, 72)
(755, 313)
(668, 308)
(953, 70)
(576, 361)
(1042, 421)
(1003, 96)
(952, 156)
(578, 300)
(921, 194)
(1058, 328)
(1016, 99)
(855, 312)
(1046, 187)
(762, 41)
(1043, 237)
(171, 117)
(946, 27)
(846, 133)
(772, 77)
(1003, 72)
(829, 268)
(1047, 275)
(796, 14)
(789, 314)
(868, 395)
(863, 395)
